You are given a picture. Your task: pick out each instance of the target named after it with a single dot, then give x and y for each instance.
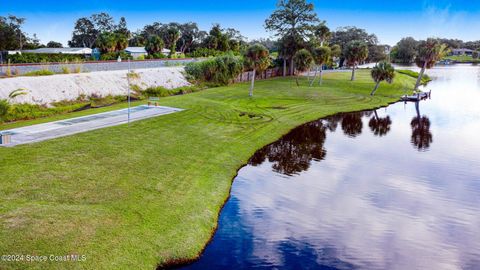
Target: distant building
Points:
(79, 51)
(462, 52)
(4, 55)
(136, 52)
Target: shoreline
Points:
(179, 263)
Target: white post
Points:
(128, 80)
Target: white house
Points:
(81, 51)
(462, 52)
(136, 52)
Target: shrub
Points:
(43, 57)
(205, 52)
(42, 72)
(65, 70)
(221, 69)
(4, 107)
(141, 57)
(109, 56)
(160, 91)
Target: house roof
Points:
(462, 50)
(136, 50)
(61, 50)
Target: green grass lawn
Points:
(461, 58)
(149, 194)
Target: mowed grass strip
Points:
(139, 196)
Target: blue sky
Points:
(390, 20)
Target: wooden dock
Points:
(418, 96)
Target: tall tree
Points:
(84, 34)
(405, 50)
(190, 35)
(293, 20)
(429, 52)
(258, 59)
(377, 53)
(382, 71)
(344, 35)
(122, 28)
(303, 61)
(54, 44)
(321, 56)
(11, 35)
(355, 52)
(322, 33)
(103, 22)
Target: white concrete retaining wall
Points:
(47, 89)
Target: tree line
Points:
(406, 50)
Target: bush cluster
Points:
(219, 70)
(160, 91)
(26, 58)
(156, 56)
(114, 56)
(42, 72)
(204, 52)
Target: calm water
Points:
(395, 188)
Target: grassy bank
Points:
(462, 59)
(149, 194)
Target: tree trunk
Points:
(296, 80)
(284, 67)
(314, 77)
(252, 84)
(375, 89)
(420, 76)
(321, 75)
(353, 73)
(417, 108)
(292, 67)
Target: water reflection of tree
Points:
(352, 124)
(380, 126)
(421, 135)
(294, 152)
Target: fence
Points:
(91, 66)
(269, 73)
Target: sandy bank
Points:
(47, 89)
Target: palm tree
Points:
(429, 52)
(322, 33)
(154, 44)
(172, 35)
(107, 42)
(121, 41)
(303, 62)
(257, 57)
(383, 71)
(355, 52)
(321, 56)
